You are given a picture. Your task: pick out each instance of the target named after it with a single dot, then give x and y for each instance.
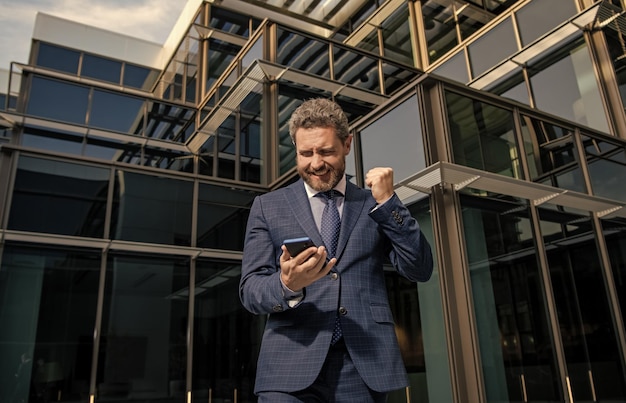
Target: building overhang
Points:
(460, 177)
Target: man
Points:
(307, 295)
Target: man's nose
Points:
(317, 161)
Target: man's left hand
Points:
(380, 180)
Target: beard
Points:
(315, 178)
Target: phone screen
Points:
(297, 245)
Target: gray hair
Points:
(319, 112)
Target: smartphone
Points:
(297, 245)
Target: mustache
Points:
(322, 171)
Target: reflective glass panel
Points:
(58, 58)
(143, 348)
(589, 338)
(538, 17)
(222, 216)
(56, 141)
(139, 77)
(551, 154)
(59, 197)
(230, 21)
(516, 348)
(47, 321)
(220, 56)
(116, 112)
(250, 138)
(302, 53)
(397, 39)
(355, 69)
(439, 27)
(395, 140)
(395, 77)
(111, 149)
(454, 68)
(606, 163)
(166, 122)
(565, 85)
(43, 100)
(492, 48)
(226, 337)
(482, 135)
(101, 68)
(152, 209)
(614, 230)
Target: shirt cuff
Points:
(292, 297)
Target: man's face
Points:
(321, 157)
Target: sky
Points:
(151, 20)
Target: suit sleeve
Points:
(260, 289)
(410, 252)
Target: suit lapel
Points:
(353, 205)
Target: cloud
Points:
(151, 20)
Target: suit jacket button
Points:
(343, 311)
(277, 308)
(334, 276)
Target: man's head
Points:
(319, 130)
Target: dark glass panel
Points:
(250, 138)
(168, 121)
(538, 17)
(59, 198)
(355, 69)
(226, 148)
(302, 53)
(614, 230)
(47, 320)
(594, 363)
(492, 48)
(220, 56)
(44, 96)
(396, 31)
(168, 159)
(513, 86)
(551, 154)
(57, 58)
(439, 27)
(395, 77)
(101, 68)
(110, 149)
(226, 337)
(370, 41)
(143, 348)
(152, 209)
(55, 141)
(606, 163)
(230, 21)
(397, 137)
(222, 216)
(139, 77)
(482, 135)
(116, 112)
(516, 347)
(471, 19)
(565, 84)
(454, 68)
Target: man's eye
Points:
(306, 154)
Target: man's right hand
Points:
(309, 266)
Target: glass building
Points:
(127, 169)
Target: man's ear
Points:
(348, 144)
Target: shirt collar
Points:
(341, 187)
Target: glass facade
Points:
(125, 191)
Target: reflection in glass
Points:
(43, 100)
(56, 141)
(482, 136)
(139, 77)
(614, 230)
(222, 217)
(454, 68)
(57, 58)
(143, 349)
(302, 53)
(440, 28)
(101, 68)
(152, 209)
(538, 17)
(395, 140)
(47, 321)
(226, 337)
(606, 163)
(565, 85)
(59, 197)
(355, 69)
(492, 48)
(589, 337)
(551, 154)
(116, 112)
(516, 347)
(397, 39)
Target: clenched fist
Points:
(380, 180)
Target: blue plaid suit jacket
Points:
(296, 340)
